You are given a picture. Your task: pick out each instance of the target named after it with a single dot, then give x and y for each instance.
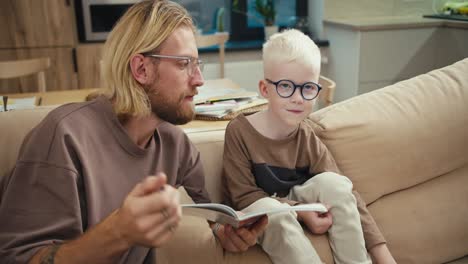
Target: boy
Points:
(273, 159)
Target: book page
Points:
(317, 207)
(214, 207)
(224, 214)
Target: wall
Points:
(372, 8)
(247, 74)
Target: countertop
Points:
(252, 45)
(393, 22)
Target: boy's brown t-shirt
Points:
(76, 167)
(281, 164)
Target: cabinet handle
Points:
(75, 61)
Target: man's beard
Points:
(171, 110)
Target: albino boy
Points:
(273, 158)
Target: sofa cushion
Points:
(203, 249)
(401, 135)
(211, 146)
(194, 236)
(16, 125)
(428, 222)
(195, 239)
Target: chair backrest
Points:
(214, 39)
(20, 68)
(328, 91)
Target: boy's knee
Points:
(332, 183)
(282, 223)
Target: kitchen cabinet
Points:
(89, 65)
(37, 23)
(365, 56)
(60, 76)
(39, 28)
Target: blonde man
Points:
(274, 159)
(94, 181)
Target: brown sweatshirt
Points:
(255, 167)
(76, 167)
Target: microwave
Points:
(96, 18)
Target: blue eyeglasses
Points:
(286, 88)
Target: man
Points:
(80, 191)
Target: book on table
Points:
(224, 101)
(224, 214)
(220, 109)
(209, 94)
(8, 104)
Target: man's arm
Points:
(148, 216)
(99, 245)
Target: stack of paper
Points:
(8, 104)
(223, 108)
(218, 102)
(211, 94)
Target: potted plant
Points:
(266, 8)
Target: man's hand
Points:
(241, 239)
(149, 214)
(318, 223)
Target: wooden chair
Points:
(214, 39)
(328, 86)
(20, 68)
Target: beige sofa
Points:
(404, 146)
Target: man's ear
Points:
(139, 69)
(262, 87)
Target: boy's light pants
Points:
(284, 239)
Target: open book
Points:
(224, 214)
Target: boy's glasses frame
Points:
(192, 63)
(294, 86)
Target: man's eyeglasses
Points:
(286, 88)
(189, 63)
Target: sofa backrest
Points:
(401, 135)
(16, 125)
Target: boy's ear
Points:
(139, 69)
(262, 87)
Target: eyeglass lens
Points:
(287, 88)
(193, 64)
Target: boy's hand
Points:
(241, 239)
(318, 223)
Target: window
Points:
(241, 26)
(204, 13)
(248, 28)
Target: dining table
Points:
(60, 97)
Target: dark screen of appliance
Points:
(103, 17)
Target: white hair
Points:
(291, 45)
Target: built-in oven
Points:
(95, 18)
